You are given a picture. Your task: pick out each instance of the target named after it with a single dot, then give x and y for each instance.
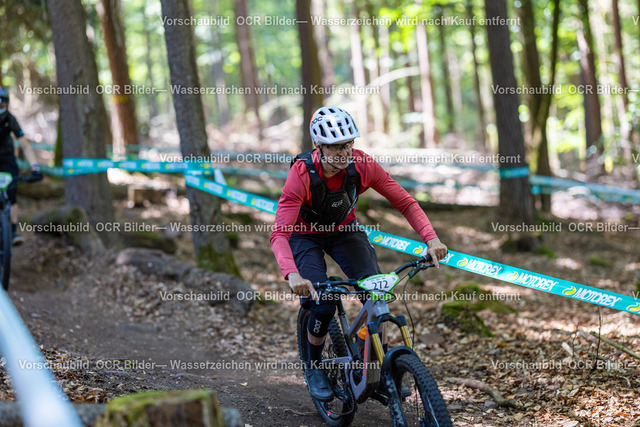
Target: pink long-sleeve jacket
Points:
(296, 193)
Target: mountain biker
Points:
(316, 215)
(8, 154)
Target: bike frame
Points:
(375, 312)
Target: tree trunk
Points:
(153, 103)
(211, 248)
(531, 68)
(482, 122)
(543, 166)
(84, 125)
(359, 76)
(592, 115)
(385, 90)
(217, 70)
(426, 89)
(247, 61)
(311, 74)
(322, 36)
(446, 76)
(539, 103)
(516, 202)
(125, 107)
(625, 126)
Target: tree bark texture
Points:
(83, 119)
(211, 248)
(516, 202)
(125, 106)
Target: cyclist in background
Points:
(8, 154)
(316, 215)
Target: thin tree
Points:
(125, 107)
(429, 135)
(83, 118)
(321, 35)
(359, 73)
(146, 24)
(311, 75)
(482, 122)
(446, 75)
(539, 102)
(592, 115)
(247, 61)
(212, 248)
(622, 82)
(217, 70)
(516, 202)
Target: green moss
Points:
(459, 314)
(133, 407)
(546, 250)
(210, 260)
(240, 217)
(599, 261)
(467, 301)
(234, 239)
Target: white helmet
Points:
(332, 125)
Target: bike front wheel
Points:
(421, 401)
(340, 411)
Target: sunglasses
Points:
(336, 148)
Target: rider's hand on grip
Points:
(302, 287)
(437, 250)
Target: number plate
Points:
(5, 180)
(380, 284)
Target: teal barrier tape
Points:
(514, 275)
(51, 170)
(608, 193)
(509, 173)
(540, 184)
(466, 262)
(230, 193)
(502, 272)
(76, 166)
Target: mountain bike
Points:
(6, 236)
(397, 378)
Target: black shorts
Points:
(8, 164)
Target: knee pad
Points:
(319, 318)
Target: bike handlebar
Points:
(333, 285)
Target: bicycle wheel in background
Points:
(340, 411)
(424, 406)
(5, 249)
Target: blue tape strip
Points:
(508, 173)
(505, 273)
(455, 259)
(514, 275)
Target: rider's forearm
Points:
(28, 151)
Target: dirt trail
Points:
(89, 310)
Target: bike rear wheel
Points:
(424, 406)
(340, 411)
(5, 249)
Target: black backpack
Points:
(328, 209)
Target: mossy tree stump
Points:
(198, 408)
(467, 301)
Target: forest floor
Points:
(107, 331)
